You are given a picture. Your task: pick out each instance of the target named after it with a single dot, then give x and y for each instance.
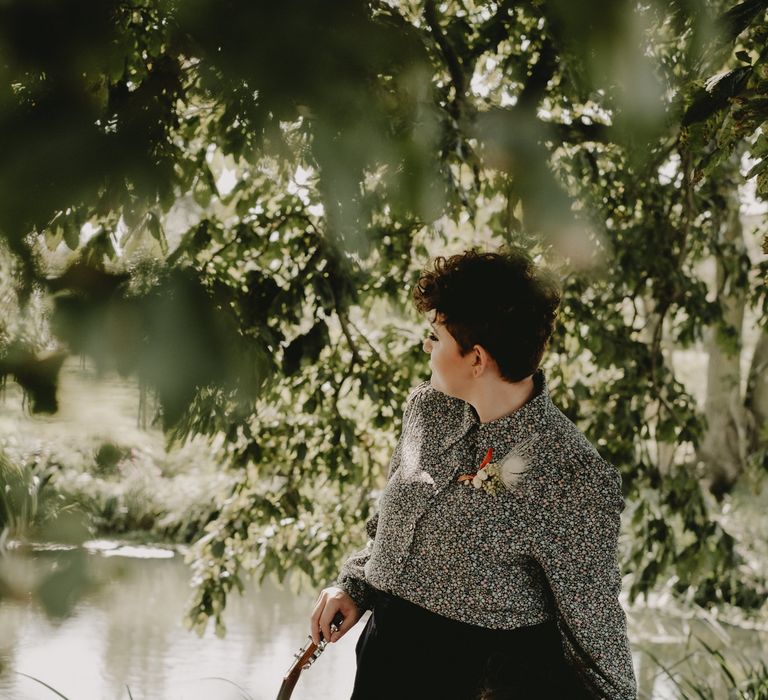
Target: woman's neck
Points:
(494, 398)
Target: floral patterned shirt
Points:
(543, 549)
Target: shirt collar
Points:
(521, 423)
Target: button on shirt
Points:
(544, 548)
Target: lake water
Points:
(124, 638)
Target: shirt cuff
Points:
(360, 591)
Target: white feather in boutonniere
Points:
(517, 461)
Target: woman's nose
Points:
(427, 345)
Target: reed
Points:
(244, 693)
(44, 684)
(742, 679)
(56, 692)
(22, 497)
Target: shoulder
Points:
(418, 391)
(427, 397)
(433, 410)
(579, 472)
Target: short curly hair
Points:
(502, 301)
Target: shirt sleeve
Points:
(579, 558)
(351, 577)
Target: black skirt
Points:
(408, 652)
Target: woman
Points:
(491, 571)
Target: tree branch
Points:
(579, 132)
(452, 61)
(541, 73)
(344, 321)
(376, 351)
(492, 32)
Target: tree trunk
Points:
(757, 394)
(724, 446)
(666, 452)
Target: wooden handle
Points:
(305, 657)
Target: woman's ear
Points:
(481, 359)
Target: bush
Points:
(107, 457)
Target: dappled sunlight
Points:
(211, 227)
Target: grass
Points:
(742, 680)
(245, 694)
(25, 500)
(142, 496)
(136, 499)
(43, 683)
(753, 683)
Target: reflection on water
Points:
(128, 631)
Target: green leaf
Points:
(155, 229)
(71, 233)
(757, 168)
(202, 193)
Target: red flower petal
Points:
(486, 459)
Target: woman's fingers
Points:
(326, 617)
(348, 622)
(333, 606)
(314, 621)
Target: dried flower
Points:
(492, 477)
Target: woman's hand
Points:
(331, 601)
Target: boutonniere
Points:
(505, 473)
